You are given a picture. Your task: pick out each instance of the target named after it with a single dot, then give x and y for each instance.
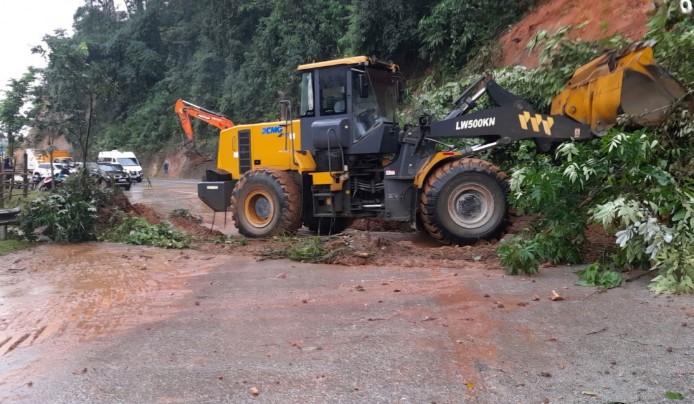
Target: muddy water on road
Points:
(82, 292)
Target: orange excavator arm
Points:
(185, 110)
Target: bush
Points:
(654, 221)
(66, 215)
(69, 214)
(518, 254)
(137, 230)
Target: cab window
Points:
(374, 99)
(333, 83)
(307, 108)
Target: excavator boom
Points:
(627, 81)
(185, 110)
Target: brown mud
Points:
(382, 243)
(591, 20)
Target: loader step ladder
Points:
(325, 203)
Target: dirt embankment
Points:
(596, 18)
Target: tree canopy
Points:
(117, 77)
(12, 118)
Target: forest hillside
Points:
(113, 83)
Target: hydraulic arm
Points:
(185, 110)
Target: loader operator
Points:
(333, 101)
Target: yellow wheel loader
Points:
(344, 156)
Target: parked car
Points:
(44, 170)
(110, 174)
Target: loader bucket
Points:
(623, 82)
(647, 98)
(196, 158)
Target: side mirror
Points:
(363, 86)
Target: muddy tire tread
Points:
(433, 185)
(289, 205)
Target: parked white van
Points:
(127, 159)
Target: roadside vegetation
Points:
(14, 241)
(80, 210)
(137, 230)
(13, 244)
(637, 184)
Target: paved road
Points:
(109, 323)
(165, 195)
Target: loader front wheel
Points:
(464, 201)
(266, 203)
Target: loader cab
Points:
(349, 105)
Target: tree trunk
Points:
(85, 148)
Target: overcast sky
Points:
(22, 25)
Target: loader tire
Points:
(464, 201)
(325, 226)
(266, 203)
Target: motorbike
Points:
(49, 182)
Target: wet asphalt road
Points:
(107, 323)
(308, 336)
(165, 195)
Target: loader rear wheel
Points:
(266, 203)
(464, 201)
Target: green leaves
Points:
(12, 119)
(637, 184)
(456, 29)
(302, 249)
(65, 216)
(670, 395)
(518, 255)
(598, 275)
(628, 211)
(140, 232)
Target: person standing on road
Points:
(166, 168)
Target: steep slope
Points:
(598, 19)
